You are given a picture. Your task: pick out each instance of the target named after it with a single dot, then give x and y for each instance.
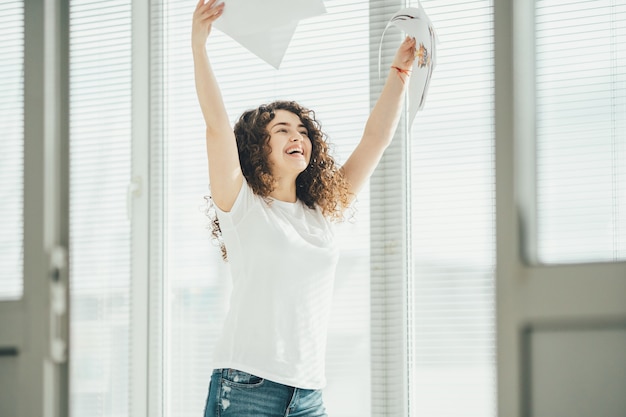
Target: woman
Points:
(276, 190)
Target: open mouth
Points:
(295, 151)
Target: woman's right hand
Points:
(203, 18)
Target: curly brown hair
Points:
(322, 184)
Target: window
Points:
(11, 148)
(195, 282)
(100, 238)
(453, 219)
(328, 68)
(576, 92)
(581, 130)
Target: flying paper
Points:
(266, 27)
(417, 24)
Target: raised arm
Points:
(224, 168)
(383, 121)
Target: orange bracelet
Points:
(401, 71)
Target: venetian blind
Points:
(453, 205)
(11, 148)
(581, 130)
(327, 69)
(100, 162)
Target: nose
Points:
(297, 137)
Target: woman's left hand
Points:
(406, 54)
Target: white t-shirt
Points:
(283, 259)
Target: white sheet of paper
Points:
(416, 23)
(266, 27)
(279, 39)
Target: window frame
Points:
(138, 209)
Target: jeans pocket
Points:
(236, 378)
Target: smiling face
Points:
(290, 144)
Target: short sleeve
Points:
(244, 201)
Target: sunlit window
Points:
(453, 208)
(100, 161)
(333, 81)
(581, 130)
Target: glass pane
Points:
(11, 149)
(100, 234)
(453, 206)
(196, 281)
(581, 131)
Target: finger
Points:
(209, 4)
(411, 45)
(211, 7)
(200, 3)
(213, 13)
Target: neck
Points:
(285, 190)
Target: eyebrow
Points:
(287, 124)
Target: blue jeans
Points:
(240, 394)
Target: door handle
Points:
(58, 305)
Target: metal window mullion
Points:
(155, 186)
(525, 122)
(138, 209)
(514, 196)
